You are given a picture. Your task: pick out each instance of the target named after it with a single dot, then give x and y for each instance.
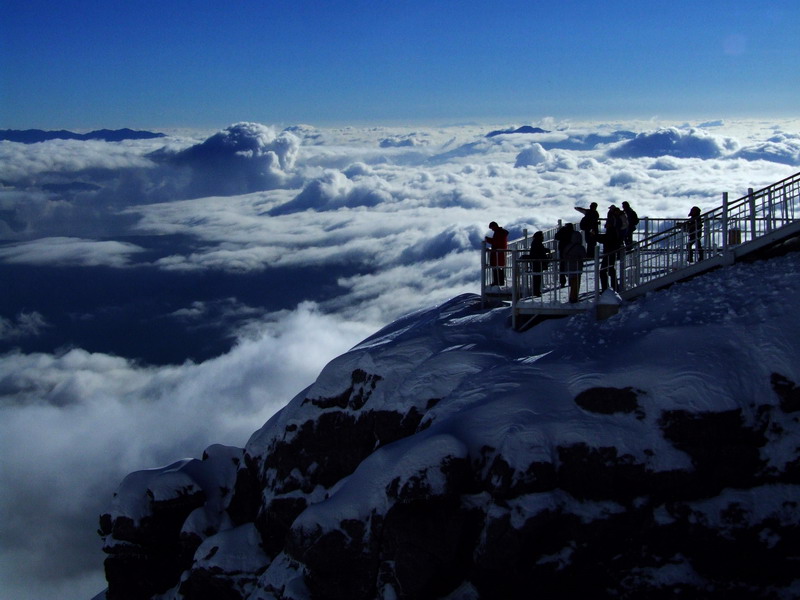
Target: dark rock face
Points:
(590, 518)
(153, 553)
(609, 401)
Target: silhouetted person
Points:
(563, 237)
(497, 255)
(612, 243)
(572, 257)
(694, 227)
(590, 225)
(633, 221)
(540, 256)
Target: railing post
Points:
(514, 286)
(770, 214)
(788, 207)
(785, 208)
(597, 273)
(483, 274)
(752, 202)
(725, 223)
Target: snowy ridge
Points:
(651, 454)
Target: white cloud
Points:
(397, 228)
(65, 251)
(27, 161)
(671, 141)
(622, 178)
(24, 324)
(72, 425)
(781, 148)
(535, 155)
(334, 190)
(243, 158)
(409, 140)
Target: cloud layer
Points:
(263, 254)
(73, 424)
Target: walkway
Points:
(659, 256)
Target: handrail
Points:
(660, 245)
(754, 215)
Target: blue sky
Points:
(156, 64)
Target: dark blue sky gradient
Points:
(91, 64)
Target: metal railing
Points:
(752, 217)
(659, 249)
(516, 248)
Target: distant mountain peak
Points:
(34, 136)
(523, 129)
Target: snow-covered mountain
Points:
(653, 454)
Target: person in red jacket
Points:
(497, 255)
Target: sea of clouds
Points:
(256, 254)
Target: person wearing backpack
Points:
(612, 241)
(633, 221)
(622, 225)
(590, 225)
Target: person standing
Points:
(612, 242)
(694, 227)
(590, 225)
(633, 221)
(497, 255)
(563, 237)
(539, 255)
(574, 255)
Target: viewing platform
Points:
(657, 258)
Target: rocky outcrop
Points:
(423, 481)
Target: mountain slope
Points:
(653, 454)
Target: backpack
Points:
(575, 250)
(586, 223)
(633, 219)
(542, 255)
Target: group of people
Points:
(623, 222)
(616, 235)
